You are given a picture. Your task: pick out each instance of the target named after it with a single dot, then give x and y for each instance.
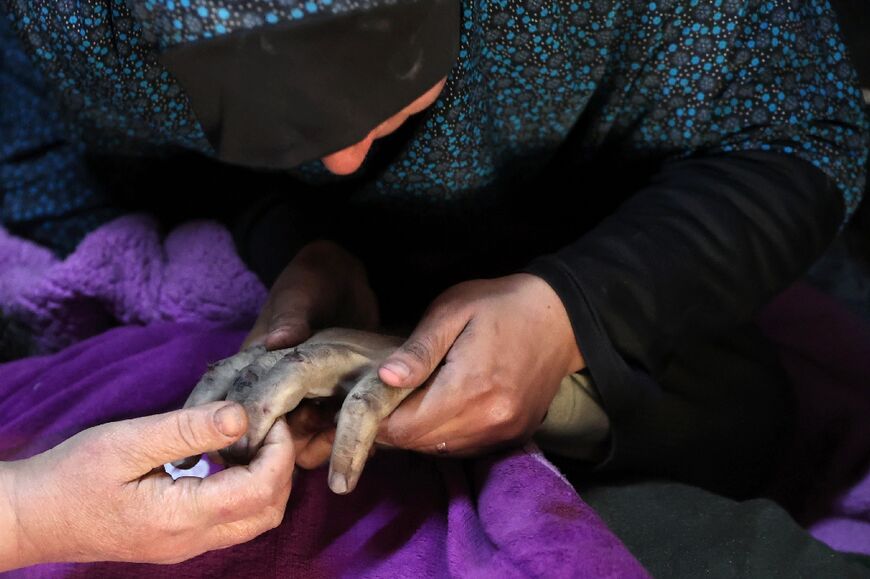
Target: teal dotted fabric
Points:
(43, 181)
(671, 78)
(661, 78)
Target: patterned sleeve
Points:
(47, 194)
(754, 108)
(741, 75)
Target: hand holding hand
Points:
(491, 354)
(103, 495)
(329, 365)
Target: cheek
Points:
(390, 125)
(348, 160)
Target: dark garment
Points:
(854, 17)
(693, 254)
(740, 124)
(678, 531)
(722, 419)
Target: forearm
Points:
(693, 255)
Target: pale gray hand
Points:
(333, 362)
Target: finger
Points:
(215, 384)
(459, 406)
(150, 442)
(312, 426)
(311, 418)
(240, 491)
(412, 427)
(297, 301)
(239, 532)
(287, 328)
(423, 351)
(456, 414)
(369, 402)
(257, 335)
(317, 450)
(308, 370)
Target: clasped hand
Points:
(478, 372)
(103, 495)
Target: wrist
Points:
(557, 319)
(15, 549)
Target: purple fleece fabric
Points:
(510, 515)
(126, 273)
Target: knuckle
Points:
(504, 413)
(262, 494)
(186, 430)
(421, 350)
(275, 517)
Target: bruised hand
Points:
(334, 365)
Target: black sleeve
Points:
(691, 256)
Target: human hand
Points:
(491, 354)
(103, 495)
(323, 286)
(333, 363)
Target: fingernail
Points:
(230, 420)
(399, 369)
(338, 483)
(278, 332)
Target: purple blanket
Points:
(511, 515)
(126, 273)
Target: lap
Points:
(676, 530)
(724, 415)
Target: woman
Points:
(636, 179)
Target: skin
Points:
(54, 503)
(483, 367)
(349, 159)
(110, 478)
(336, 362)
(487, 360)
(478, 372)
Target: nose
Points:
(349, 159)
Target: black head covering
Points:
(278, 95)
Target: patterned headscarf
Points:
(648, 78)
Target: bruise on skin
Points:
(369, 402)
(329, 364)
(251, 374)
(219, 381)
(216, 382)
(318, 368)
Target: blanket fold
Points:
(508, 515)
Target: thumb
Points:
(153, 441)
(288, 327)
(416, 359)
